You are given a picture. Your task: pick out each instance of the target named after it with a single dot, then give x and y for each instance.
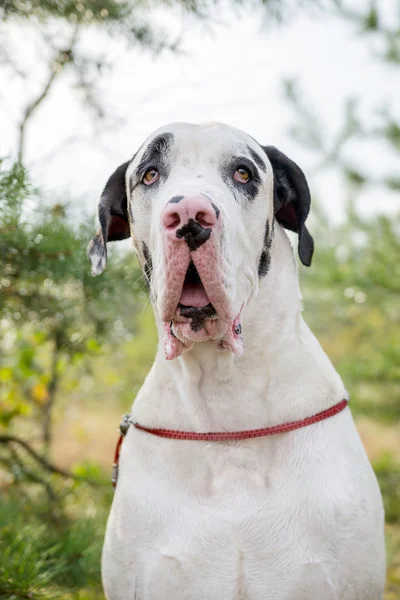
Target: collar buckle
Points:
(125, 424)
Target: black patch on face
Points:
(240, 190)
(238, 329)
(156, 155)
(257, 159)
(130, 213)
(196, 315)
(216, 210)
(148, 263)
(195, 235)
(175, 200)
(265, 259)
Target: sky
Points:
(230, 70)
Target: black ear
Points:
(292, 200)
(113, 217)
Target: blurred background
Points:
(83, 83)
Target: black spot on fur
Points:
(216, 210)
(257, 159)
(240, 190)
(265, 259)
(195, 235)
(156, 155)
(196, 315)
(175, 200)
(148, 263)
(170, 329)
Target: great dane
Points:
(292, 516)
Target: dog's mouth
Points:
(197, 320)
(193, 293)
(196, 305)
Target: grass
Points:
(52, 554)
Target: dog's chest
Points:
(239, 524)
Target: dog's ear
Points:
(292, 200)
(113, 217)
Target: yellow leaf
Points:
(40, 393)
(6, 374)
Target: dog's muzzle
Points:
(196, 301)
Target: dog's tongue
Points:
(194, 294)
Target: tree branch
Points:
(12, 439)
(33, 476)
(57, 65)
(48, 406)
(30, 110)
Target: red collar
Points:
(222, 436)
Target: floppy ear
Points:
(113, 217)
(291, 200)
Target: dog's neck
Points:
(283, 374)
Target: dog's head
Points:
(201, 203)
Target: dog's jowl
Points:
(242, 476)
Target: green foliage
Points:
(50, 552)
(129, 19)
(370, 20)
(53, 312)
(97, 10)
(387, 469)
(351, 285)
(87, 11)
(114, 16)
(393, 562)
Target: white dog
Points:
(293, 516)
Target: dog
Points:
(243, 515)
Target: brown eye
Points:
(242, 175)
(150, 176)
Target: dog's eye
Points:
(150, 176)
(242, 175)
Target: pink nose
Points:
(181, 210)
